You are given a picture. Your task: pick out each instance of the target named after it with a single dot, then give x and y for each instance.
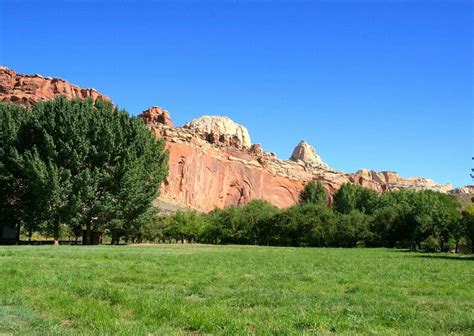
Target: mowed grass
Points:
(232, 290)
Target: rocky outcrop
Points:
(29, 89)
(468, 189)
(212, 162)
(218, 129)
(157, 116)
(464, 195)
(206, 173)
(306, 153)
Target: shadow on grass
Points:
(438, 255)
(449, 257)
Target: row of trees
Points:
(74, 165)
(358, 217)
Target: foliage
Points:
(352, 197)
(77, 163)
(468, 224)
(406, 218)
(314, 193)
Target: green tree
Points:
(314, 193)
(86, 164)
(345, 199)
(18, 207)
(468, 224)
(352, 197)
(446, 218)
(256, 217)
(353, 229)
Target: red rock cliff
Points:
(212, 161)
(29, 89)
(209, 170)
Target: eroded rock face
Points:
(29, 89)
(212, 160)
(205, 174)
(469, 189)
(306, 153)
(157, 116)
(219, 129)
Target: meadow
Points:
(233, 290)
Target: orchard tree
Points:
(446, 219)
(468, 224)
(257, 219)
(345, 199)
(314, 193)
(14, 185)
(85, 164)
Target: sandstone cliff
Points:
(29, 89)
(213, 162)
(208, 169)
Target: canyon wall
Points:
(218, 166)
(212, 160)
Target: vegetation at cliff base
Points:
(233, 290)
(358, 217)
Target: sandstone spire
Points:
(306, 153)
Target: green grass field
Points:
(233, 290)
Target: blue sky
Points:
(385, 85)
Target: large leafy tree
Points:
(14, 184)
(468, 224)
(314, 193)
(345, 199)
(85, 164)
(352, 197)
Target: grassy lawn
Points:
(201, 289)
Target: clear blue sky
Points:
(386, 85)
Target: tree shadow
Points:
(450, 257)
(438, 255)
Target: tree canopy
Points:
(76, 163)
(314, 193)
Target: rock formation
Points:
(306, 153)
(206, 173)
(29, 89)
(157, 116)
(464, 195)
(469, 189)
(212, 160)
(220, 130)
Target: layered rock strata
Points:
(206, 173)
(29, 89)
(212, 160)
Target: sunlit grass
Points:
(201, 289)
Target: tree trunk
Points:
(114, 239)
(418, 245)
(18, 230)
(441, 244)
(56, 234)
(88, 240)
(457, 246)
